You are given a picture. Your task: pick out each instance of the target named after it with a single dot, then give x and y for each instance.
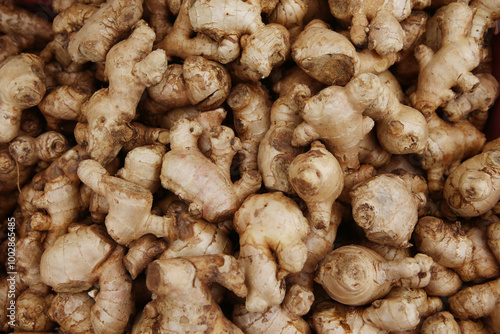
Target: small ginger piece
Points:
(251, 105)
(383, 316)
(141, 252)
(131, 66)
(387, 207)
(12, 175)
(22, 86)
(47, 147)
(32, 313)
(16, 20)
(371, 152)
(129, 216)
(442, 322)
(13, 44)
(70, 265)
(472, 327)
(268, 223)
(471, 189)
(444, 281)
(356, 275)
(72, 311)
(316, 176)
(209, 191)
(184, 302)
(290, 14)
(275, 150)
(448, 144)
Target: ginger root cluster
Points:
(249, 166)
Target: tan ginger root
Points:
(376, 24)
(130, 67)
(13, 44)
(477, 301)
(371, 153)
(450, 66)
(184, 303)
(72, 312)
(71, 265)
(316, 176)
(251, 105)
(275, 319)
(325, 55)
(447, 145)
(47, 147)
(209, 191)
(32, 313)
(356, 275)
(290, 14)
(129, 216)
(471, 189)
(387, 207)
(198, 81)
(466, 252)
(12, 175)
(486, 12)
(141, 252)
(442, 322)
(382, 317)
(275, 150)
(101, 30)
(22, 86)
(15, 20)
(268, 223)
(480, 100)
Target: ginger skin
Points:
(63, 271)
(275, 149)
(259, 238)
(15, 20)
(181, 287)
(356, 275)
(131, 66)
(473, 188)
(316, 176)
(13, 44)
(72, 312)
(387, 207)
(129, 216)
(46, 147)
(22, 86)
(210, 192)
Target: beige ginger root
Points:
(16, 20)
(442, 322)
(184, 303)
(13, 44)
(356, 275)
(22, 86)
(478, 301)
(316, 176)
(387, 207)
(47, 147)
(12, 175)
(129, 216)
(103, 29)
(275, 150)
(447, 145)
(71, 265)
(32, 313)
(251, 105)
(72, 311)
(471, 189)
(268, 223)
(382, 317)
(209, 191)
(376, 24)
(198, 81)
(130, 67)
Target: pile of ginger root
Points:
(246, 166)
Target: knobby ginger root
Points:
(184, 302)
(268, 223)
(32, 315)
(382, 317)
(130, 67)
(209, 192)
(129, 216)
(275, 149)
(442, 322)
(316, 176)
(371, 153)
(448, 144)
(251, 105)
(471, 189)
(70, 265)
(47, 147)
(141, 252)
(12, 175)
(22, 86)
(356, 275)
(387, 207)
(72, 312)
(13, 44)
(199, 82)
(16, 20)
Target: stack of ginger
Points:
(246, 166)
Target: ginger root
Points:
(47, 147)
